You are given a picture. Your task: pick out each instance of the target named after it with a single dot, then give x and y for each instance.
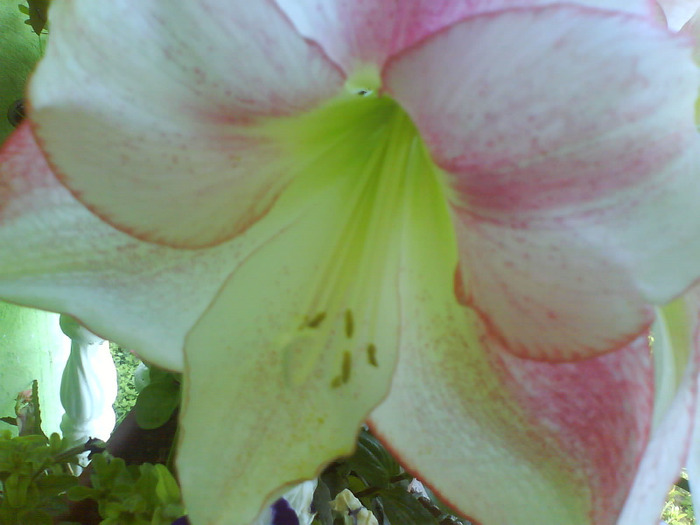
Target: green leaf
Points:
(335, 478)
(16, 487)
(167, 488)
(683, 483)
(322, 503)
(372, 462)
(38, 14)
(35, 517)
(28, 412)
(402, 508)
(79, 493)
(55, 484)
(56, 443)
(156, 403)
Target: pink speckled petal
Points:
(561, 440)
(158, 126)
(357, 33)
(672, 445)
(63, 258)
(569, 172)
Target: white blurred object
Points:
(88, 387)
(352, 510)
(416, 487)
(678, 12)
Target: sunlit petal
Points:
(675, 406)
(63, 258)
(562, 169)
(558, 440)
(361, 34)
(300, 343)
(174, 111)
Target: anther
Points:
(316, 320)
(346, 367)
(372, 354)
(349, 324)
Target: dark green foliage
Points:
(34, 474)
(37, 11)
(126, 363)
(158, 400)
(322, 504)
(146, 494)
(379, 482)
(373, 463)
(401, 507)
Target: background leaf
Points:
(156, 403)
(38, 14)
(372, 462)
(402, 508)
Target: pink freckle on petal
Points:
(199, 74)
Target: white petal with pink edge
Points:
(63, 258)
(361, 33)
(552, 436)
(676, 403)
(567, 170)
(167, 140)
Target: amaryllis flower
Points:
(454, 218)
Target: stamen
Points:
(372, 354)
(364, 151)
(345, 369)
(316, 320)
(347, 365)
(349, 324)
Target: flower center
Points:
(360, 158)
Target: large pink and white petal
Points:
(562, 440)
(568, 174)
(363, 34)
(60, 257)
(171, 110)
(676, 352)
